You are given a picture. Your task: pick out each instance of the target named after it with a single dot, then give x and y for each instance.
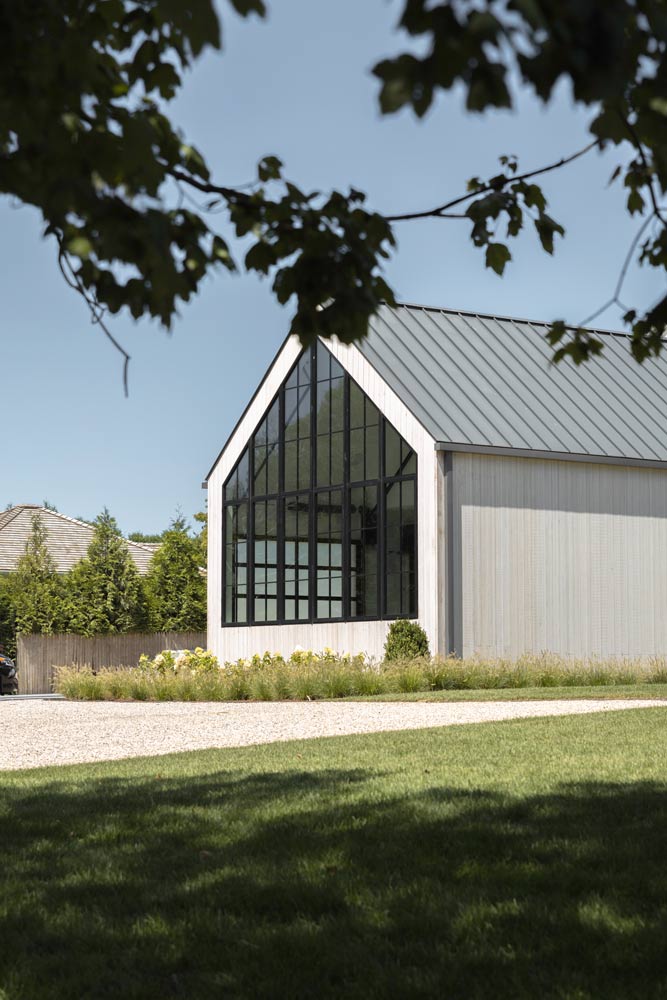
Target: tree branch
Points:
(615, 300)
(96, 310)
(205, 186)
(439, 212)
(636, 142)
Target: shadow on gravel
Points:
(298, 884)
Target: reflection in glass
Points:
(266, 453)
(364, 436)
(331, 487)
(400, 548)
(364, 551)
(265, 574)
(297, 427)
(296, 557)
(236, 563)
(399, 458)
(329, 554)
(330, 420)
(237, 484)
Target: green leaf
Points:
(546, 230)
(497, 256)
(269, 169)
(246, 7)
(261, 257)
(636, 203)
(659, 104)
(80, 246)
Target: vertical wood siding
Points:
(565, 557)
(231, 643)
(37, 655)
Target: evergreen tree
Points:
(35, 588)
(201, 517)
(7, 616)
(175, 586)
(105, 590)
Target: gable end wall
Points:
(230, 643)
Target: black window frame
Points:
(382, 482)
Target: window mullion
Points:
(345, 496)
(382, 580)
(280, 509)
(223, 567)
(312, 515)
(250, 547)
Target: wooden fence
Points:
(37, 655)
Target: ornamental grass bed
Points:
(197, 676)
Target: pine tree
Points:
(201, 517)
(105, 590)
(175, 585)
(7, 616)
(35, 588)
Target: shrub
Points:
(406, 640)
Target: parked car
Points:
(9, 681)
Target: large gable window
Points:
(320, 511)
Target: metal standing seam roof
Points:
(487, 381)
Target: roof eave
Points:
(554, 456)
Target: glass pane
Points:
(259, 465)
(327, 366)
(409, 462)
(295, 550)
(297, 432)
(357, 454)
(236, 533)
(265, 596)
(364, 437)
(236, 484)
(363, 551)
(357, 415)
(392, 451)
(329, 553)
(330, 420)
(300, 374)
(399, 458)
(372, 452)
(400, 548)
(266, 453)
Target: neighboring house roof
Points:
(486, 381)
(68, 538)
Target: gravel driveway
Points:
(41, 733)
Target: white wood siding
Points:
(230, 643)
(556, 556)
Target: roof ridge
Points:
(504, 318)
(11, 514)
(17, 508)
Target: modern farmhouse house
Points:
(443, 470)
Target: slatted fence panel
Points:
(37, 655)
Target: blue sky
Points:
(297, 85)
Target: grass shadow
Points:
(318, 884)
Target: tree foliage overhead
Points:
(85, 138)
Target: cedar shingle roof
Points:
(68, 539)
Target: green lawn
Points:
(507, 860)
(602, 692)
